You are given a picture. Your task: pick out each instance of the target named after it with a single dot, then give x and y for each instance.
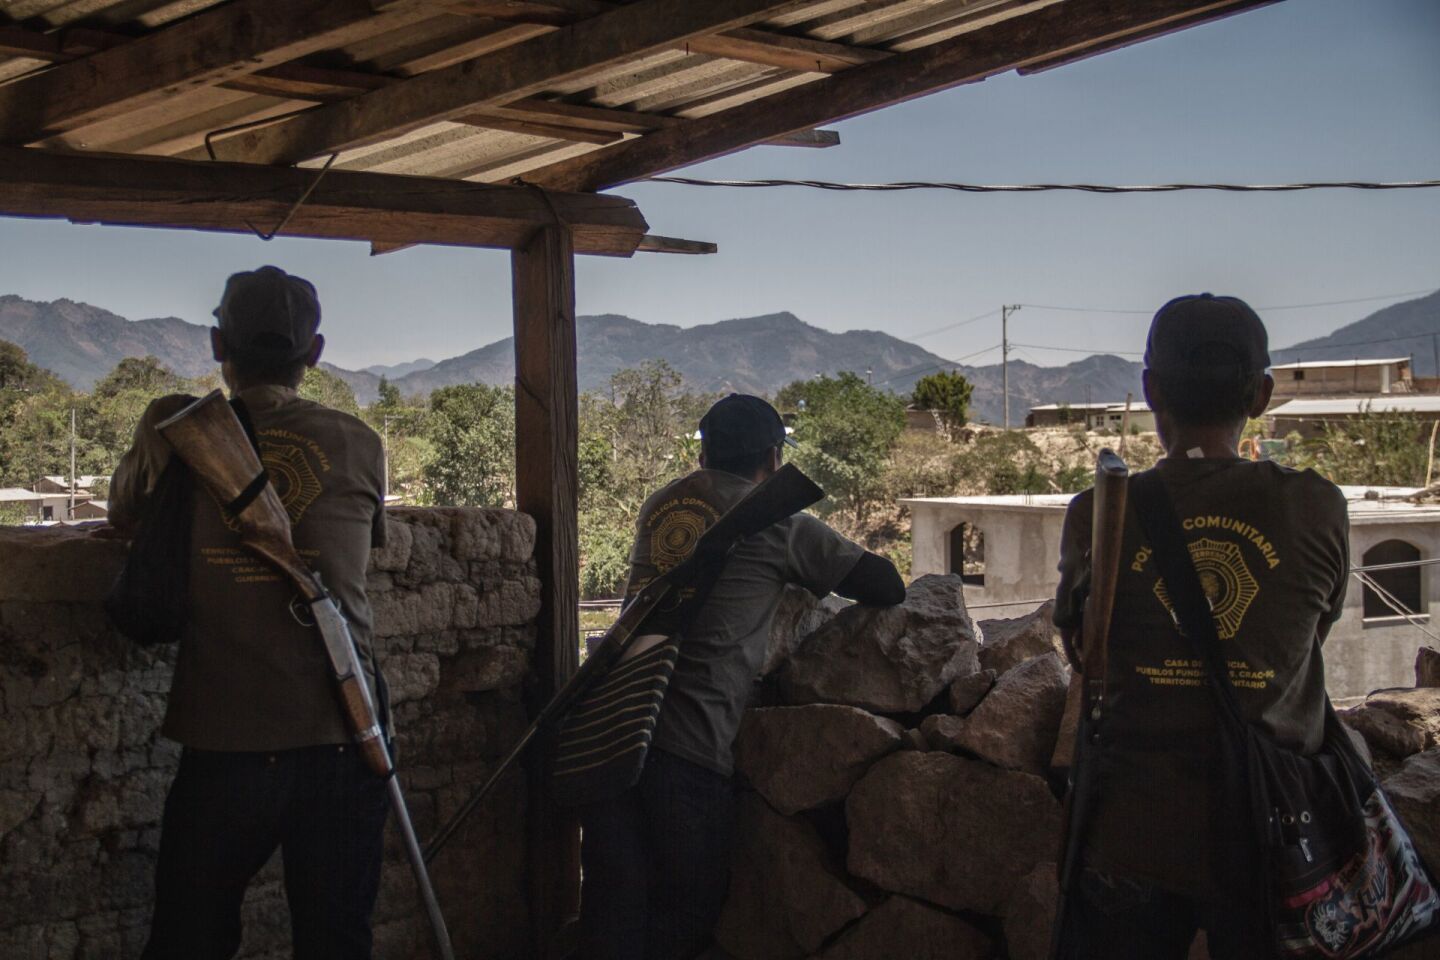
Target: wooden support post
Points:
(547, 487)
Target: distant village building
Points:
(1007, 547)
(1310, 418)
(1095, 416)
(1340, 378)
(49, 500)
(1063, 414)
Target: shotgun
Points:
(1106, 535)
(208, 438)
(785, 493)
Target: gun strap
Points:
(254, 487)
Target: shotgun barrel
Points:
(208, 437)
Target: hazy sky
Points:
(1302, 90)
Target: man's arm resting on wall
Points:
(873, 581)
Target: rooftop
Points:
(1312, 364)
(1352, 406)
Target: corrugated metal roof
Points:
(1314, 364)
(1353, 406)
(619, 100)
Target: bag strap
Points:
(1187, 597)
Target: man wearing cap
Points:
(656, 859)
(1270, 546)
(265, 760)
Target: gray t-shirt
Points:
(723, 649)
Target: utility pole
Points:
(1005, 311)
(72, 463)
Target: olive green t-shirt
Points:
(723, 648)
(1271, 547)
(249, 675)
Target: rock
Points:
(798, 615)
(786, 896)
(967, 692)
(395, 555)
(491, 534)
(1398, 722)
(956, 832)
(1427, 667)
(411, 676)
(1008, 643)
(802, 757)
(58, 564)
(901, 927)
(942, 731)
(1015, 726)
(1415, 794)
(887, 659)
(408, 612)
(487, 668)
(1030, 914)
(1064, 754)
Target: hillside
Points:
(80, 343)
(750, 355)
(1399, 330)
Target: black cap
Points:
(740, 425)
(268, 315)
(1202, 334)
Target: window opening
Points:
(967, 553)
(1402, 582)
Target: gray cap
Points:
(268, 315)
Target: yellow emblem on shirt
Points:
(1227, 581)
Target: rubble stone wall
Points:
(901, 798)
(83, 774)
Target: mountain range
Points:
(81, 343)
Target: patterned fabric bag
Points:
(1338, 875)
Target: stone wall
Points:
(902, 800)
(83, 775)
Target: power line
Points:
(1047, 187)
(1041, 346)
(954, 326)
(1286, 306)
(920, 371)
(1354, 343)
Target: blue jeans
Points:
(225, 815)
(656, 863)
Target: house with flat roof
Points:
(1338, 378)
(1063, 414)
(1006, 548)
(1310, 418)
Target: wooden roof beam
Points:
(1064, 30)
(206, 49)
(346, 205)
(519, 71)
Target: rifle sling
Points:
(254, 487)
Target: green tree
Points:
(471, 462)
(328, 389)
(948, 394)
(107, 418)
(846, 430)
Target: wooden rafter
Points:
(1065, 30)
(516, 72)
(226, 41)
(245, 198)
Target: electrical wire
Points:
(1391, 601)
(1269, 308)
(920, 371)
(955, 326)
(1046, 187)
(1097, 350)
